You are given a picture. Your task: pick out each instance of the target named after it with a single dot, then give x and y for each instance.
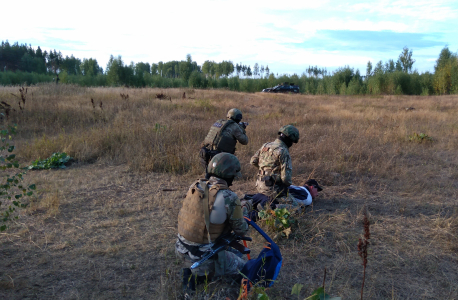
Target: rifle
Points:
(221, 243)
(244, 124)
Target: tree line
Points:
(21, 64)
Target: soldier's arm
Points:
(235, 214)
(286, 169)
(240, 134)
(255, 159)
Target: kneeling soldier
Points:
(274, 163)
(223, 137)
(209, 210)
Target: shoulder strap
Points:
(204, 185)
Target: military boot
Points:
(188, 281)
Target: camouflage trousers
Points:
(227, 263)
(272, 191)
(290, 203)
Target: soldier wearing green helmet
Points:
(223, 136)
(274, 163)
(209, 210)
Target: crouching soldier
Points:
(223, 137)
(209, 210)
(274, 164)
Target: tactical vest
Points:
(268, 168)
(191, 219)
(268, 157)
(217, 140)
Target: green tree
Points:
(141, 68)
(154, 68)
(71, 65)
(206, 67)
(444, 58)
(244, 69)
(234, 83)
(369, 69)
(379, 68)
(248, 72)
(53, 61)
(186, 68)
(160, 66)
(406, 60)
(398, 65)
(238, 69)
(195, 80)
(227, 67)
(90, 67)
(256, 69)
(342, 77)
(27, 63)
(446, 75)
(114, 70)
(390, 66)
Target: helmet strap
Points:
(228, 181)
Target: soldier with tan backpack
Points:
(211, 210)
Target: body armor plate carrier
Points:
(217, 140)
(191, 219)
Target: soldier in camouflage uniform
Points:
(196, 233)
(223, 137)
(274, 163)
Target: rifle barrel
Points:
(221, 244)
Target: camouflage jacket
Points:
(233, 131)
(234, 213)
(275, 168)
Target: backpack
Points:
(265, 268)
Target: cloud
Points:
(282, 35)
(438, 10)
(362, 40)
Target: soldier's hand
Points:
(243, 124)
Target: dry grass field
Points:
(105, 227)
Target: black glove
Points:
(243, 124)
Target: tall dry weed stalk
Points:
(362, 247)
(6, 108)
(22, 98)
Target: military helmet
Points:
(224, 165)
(291, 132)
(234, 114)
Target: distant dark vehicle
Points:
(283, 88)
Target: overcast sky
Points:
(288, 36)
